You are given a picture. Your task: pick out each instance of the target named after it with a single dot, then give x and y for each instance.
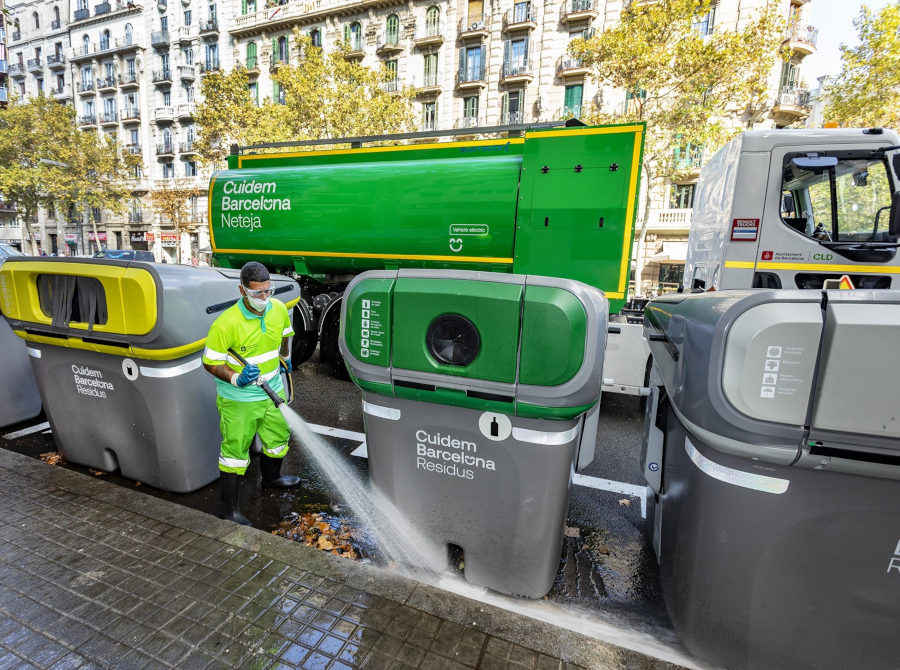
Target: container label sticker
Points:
(371, 331)
(780, 371)
(895, 560)
(744, 229)
(495, 426)
(90, 382)
(469, 229)
(444, 454)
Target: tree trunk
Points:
(642, 235)
(96, 235)
(29, 236)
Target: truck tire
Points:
(329, 350)
(305, 336)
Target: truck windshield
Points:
(849, 202)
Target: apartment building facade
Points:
(135, 69)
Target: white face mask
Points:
(259, 304)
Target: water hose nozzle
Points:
(259, 381)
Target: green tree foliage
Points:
(172, 202)
(693, 90)
(45, 161)
(866, 93)
(323, 95)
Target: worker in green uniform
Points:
(257, 327)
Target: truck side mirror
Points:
(894, 223)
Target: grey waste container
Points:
(772, 450)
(476, 387)
(116, 349)
(19, 396)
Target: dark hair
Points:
(254, 271)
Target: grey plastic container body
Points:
(153, 420)
(20, 399)
(776, 523)
(504, 502)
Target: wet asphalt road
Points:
(606, 567)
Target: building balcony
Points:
(279, 17)
(428, 84)
(159, 38)
(35, 65)
(106, 83)
(125, 44)
(476, 26)
(252, 66)
(388, 45)
(86, 87)
(165, 150)
(102, 8)
(55, 24)
(87, 121)
(164, 114)
(16, 35)
(430, 34)
(187, 34)
(186, 110)
(568, 66)
(17, 70)
(186, 148)
(471, 78)
(162, 77)
(4, 66)
(63, 94)
(109, 118)
(56, 61)
(209, 66)
(81, 15)
(519, 18)
(129, 80)
(133, 149)
(391, 86)
(801, 40)
(131, 115)
(517, 73)
(356, 52)
(512, 118)
(569, 112)
(277, 62)
(209, 28)
(4, 95)
(791, 105)
(7, 206)
(135, 217)
(672, 220)
(187, 72)
(467, 122)
(574, 11)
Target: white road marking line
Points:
(614, 487)
(337, 432)
(27, 431)
(362, 451)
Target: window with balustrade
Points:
(432, 21)
(353, 36)
(429, 116)
(681, 196)
(251, 55)
(470, 111)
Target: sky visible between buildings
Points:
(834, 19)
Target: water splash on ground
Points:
(397, 538)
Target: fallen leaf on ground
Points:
(625, 501)
(98, 473)
(603, 549)
(572, 531)
(52, 457)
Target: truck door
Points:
(826, 215)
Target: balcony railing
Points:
(209, 66)
(475, 23)
(576, 10)
(35, 65)
(87, 86)
(56, 61)
(128, 79)
(186, 110)
(164, 113)
(4, 95)
(516, 69)
(87, 120)
(109, 117)
(106, 82)
(796, 96)
(165, 149)
(102, 8)
(252, 63)
(388, 42)
(209, 26)
(135, 217)
(804, 34)
(429, 33)
(672, 219)
(16, 69)
(690, 158)
(16, 35)
(131, 114)
(188, 147)
(159, 38)
(519, 14)
(512, 118)
(55, 24)
(82, 14)
(471, 73)
(428, 80)
(162, 76)
(570, 64)
(569, 112)
(4, 68)
(391, 86)
(187, 33)
(468, 122)
(187, 72)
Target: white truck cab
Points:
(792, 208)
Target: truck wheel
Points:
(330, 352)
(305, 339)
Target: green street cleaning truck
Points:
(551, 201)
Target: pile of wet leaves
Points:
(324, 532)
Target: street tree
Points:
(866, 93)
(693, 86)
(46, 161)
(318, 95)
(172, 201)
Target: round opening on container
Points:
(453, 340)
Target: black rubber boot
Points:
(270, 468)
(231, 498)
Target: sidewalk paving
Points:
(94, 575)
